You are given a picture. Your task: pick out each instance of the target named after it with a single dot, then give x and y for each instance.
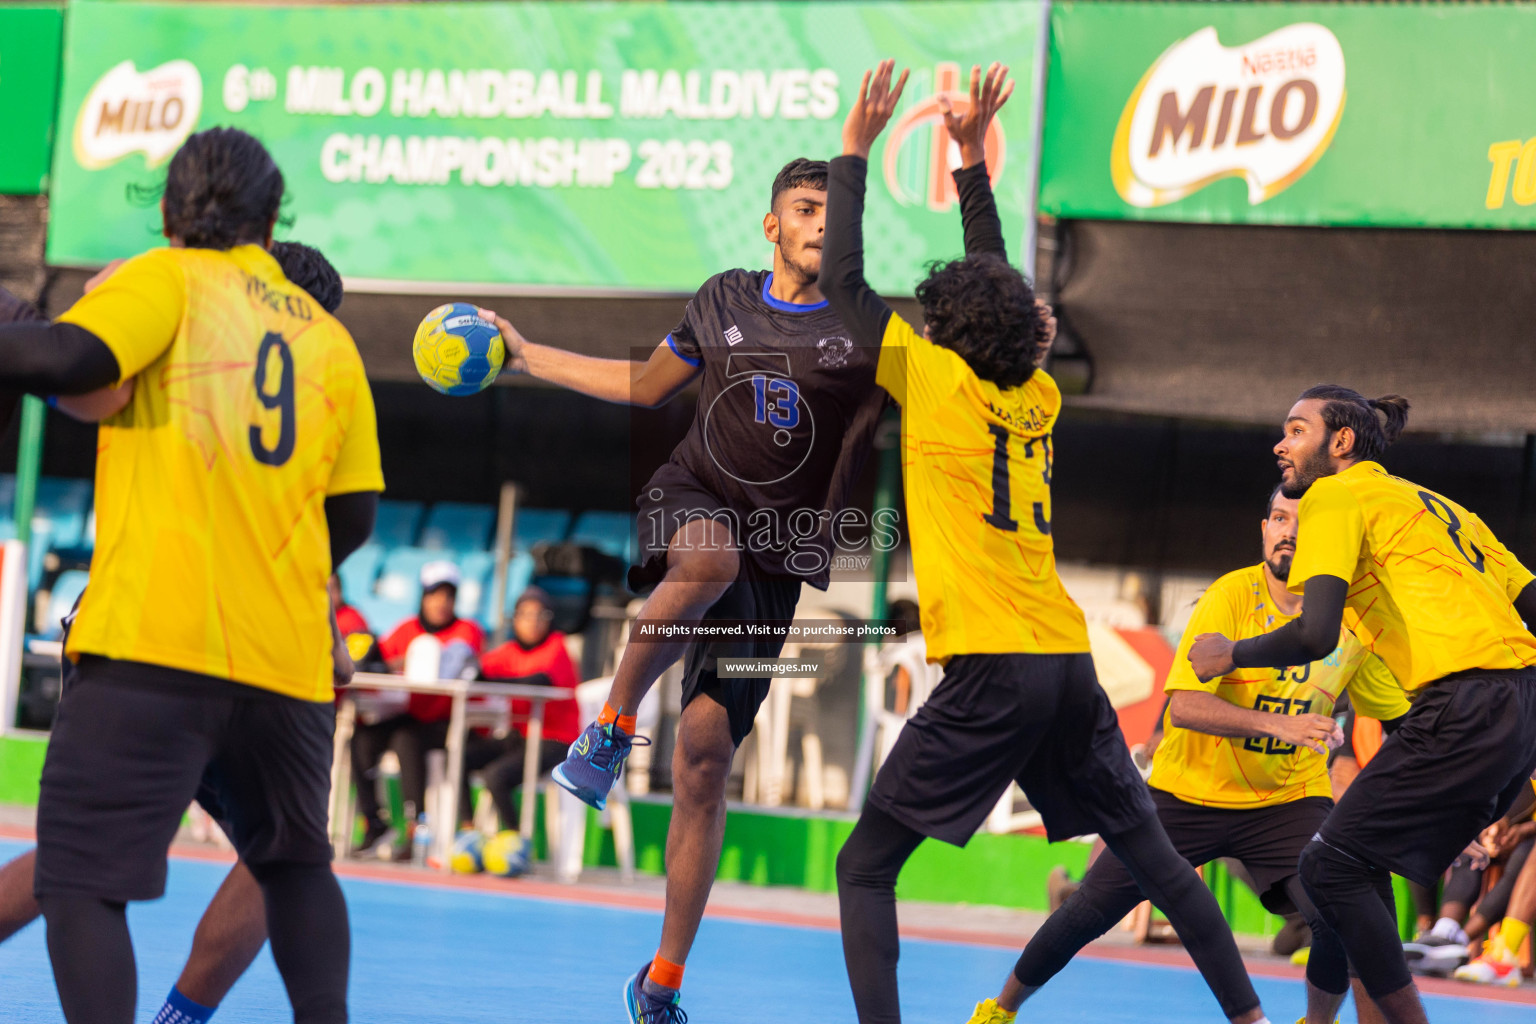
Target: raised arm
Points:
(968, 130)
(842, 255)
(624, 381)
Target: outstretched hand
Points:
(969, 128)
(1045, 335)
(515, 361)
(872, 109)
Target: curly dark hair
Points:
(1346, 407)
(984, 310)
(798, 173)
(308, 268)
(222, 189)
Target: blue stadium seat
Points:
(56, 494)
(456, 526)
(519, 575)
(400, 578)
(475, 570)
(609, 532)
(359, 571)
(534, 525)
(381, 614)
(66, 589)
(397, 522)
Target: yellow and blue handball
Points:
(468, 853)
(506, 854)
(457, 351)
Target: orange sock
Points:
(609, 716)
(666, 973)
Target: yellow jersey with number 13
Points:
(250, 408)
(976, 461)
(1220, 771)
(1430, 587)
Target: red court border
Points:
(532, 888)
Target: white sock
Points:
(1447, 928)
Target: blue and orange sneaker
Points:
(594, 762)
(645, 1008)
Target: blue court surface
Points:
(421, 953)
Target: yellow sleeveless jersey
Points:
(250, 408)
(977, 467)
(1430, 586)
(1221, 771)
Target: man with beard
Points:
(1243, 769)
(729, 527)
(1428, 588)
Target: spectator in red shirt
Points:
(423, 726)
(535, 654)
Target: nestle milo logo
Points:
(128, 111)
(1264, 111)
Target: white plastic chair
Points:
(590, 696)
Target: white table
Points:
(460, 690)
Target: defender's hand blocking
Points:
(1047, 336)
(969, 128)
(872, 109)
(1211, 656)
(516, 361)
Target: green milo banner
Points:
(602, 146)
(30, 39)
(1408, 115)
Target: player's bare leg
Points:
(18, 908)
(1322, 1007)
(702, 563)
(228, 938)
(1366, 1010)
(701, 764)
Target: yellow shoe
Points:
(990, 1013)
(1299, 958)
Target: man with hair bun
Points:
(1426, 587)
(203, 645)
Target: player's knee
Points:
(701, 765)
(1312, 869)
(856, 866)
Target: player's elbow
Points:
(1180, 712)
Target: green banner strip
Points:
(31, 36)
(615, 146)
(1414, 115)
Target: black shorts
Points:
(1460, 758)
(1042, 720)
(1268, 841)
(755, 594)
(752, 596)
(133, 744)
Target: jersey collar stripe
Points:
(789, 307)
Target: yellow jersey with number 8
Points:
(250, 407)
(1238, 772)
(1431, 589)
(976, 462)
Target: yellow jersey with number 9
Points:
(250, 407)
(1431, 589)
(976, 462)
(1220, 771)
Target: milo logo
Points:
(130, 111)
(1264, 111)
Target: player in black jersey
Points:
(729, 528)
